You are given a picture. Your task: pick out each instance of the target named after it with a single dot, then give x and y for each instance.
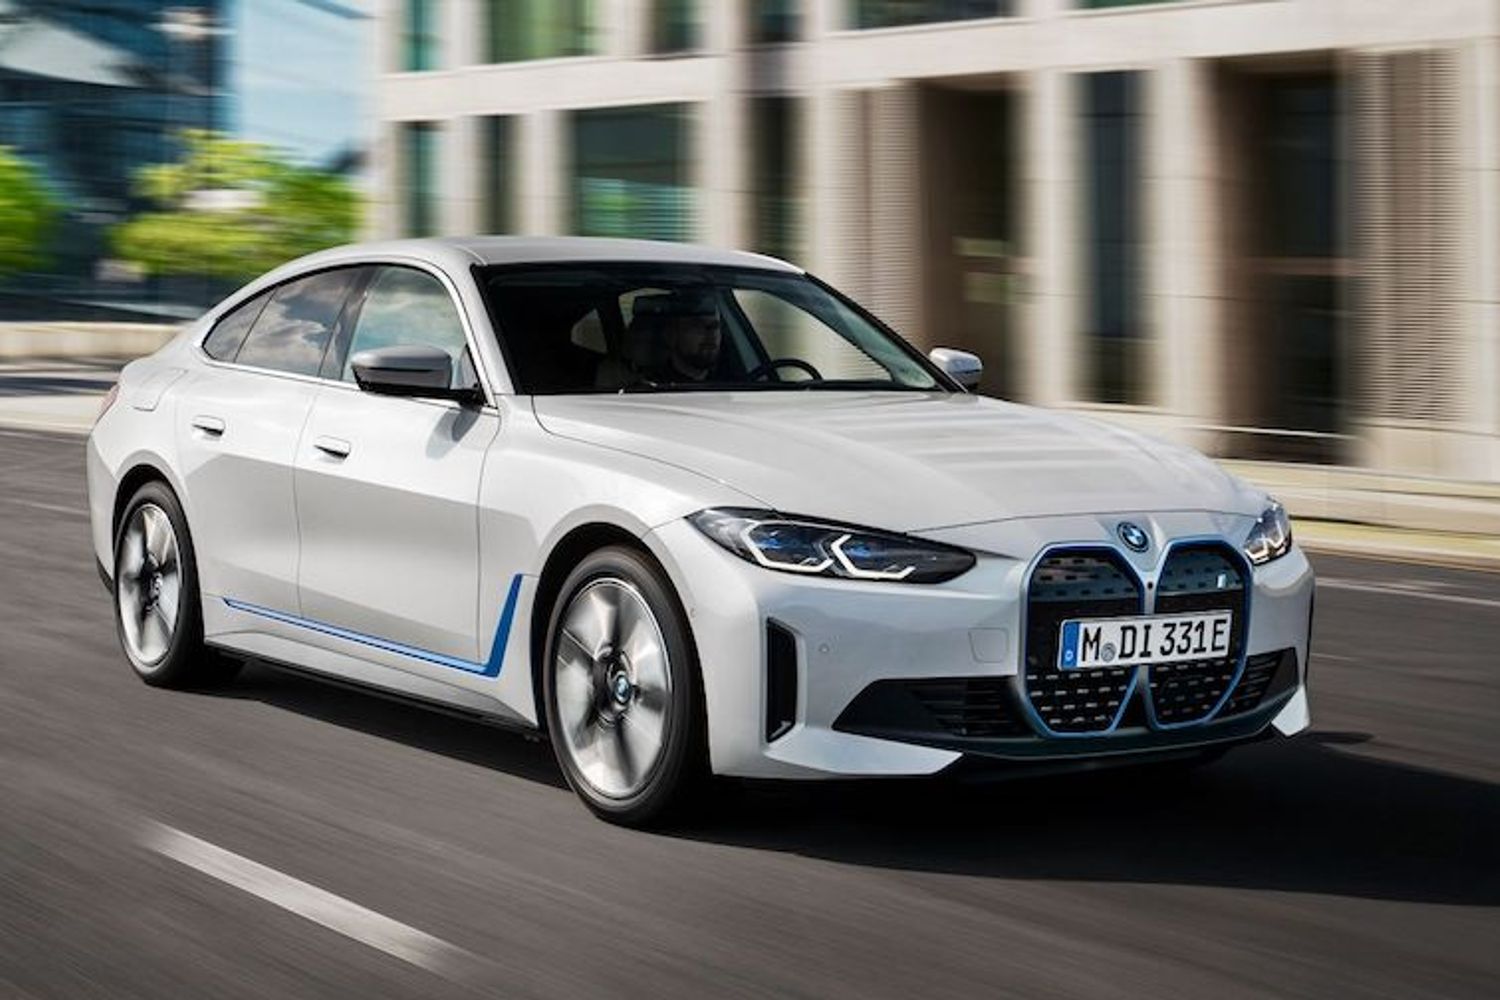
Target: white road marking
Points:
(53, 508)
(310, 902)
(1356, 586)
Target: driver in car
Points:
(692, 338)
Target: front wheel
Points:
(621, 689)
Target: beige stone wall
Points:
(868, 209)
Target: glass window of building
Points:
(773, 22)
(419, 151)
(895, 13)
(419, 39)
(497, 173)
(1100, 4)
(775, 175)
(516, 30)
(631, 172)
(1114, 336)
(674, 26)
(1298, 267)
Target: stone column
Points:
(836, 173)
(460, 176)
(823, 17)
(544, 180)
(721, 140)
(1184, 309)
(462, 30)
(1051, 347)
(616, 28)
(1481, 158)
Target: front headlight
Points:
(813, 548)
(1271, 538)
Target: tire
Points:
(158, 611)
(621, 689)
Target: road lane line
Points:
(51, 508)
(1336, 583)
(310, 902)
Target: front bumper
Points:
(904, 680)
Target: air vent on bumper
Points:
(781, 680)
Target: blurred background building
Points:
(1268, 227)
(92, 92)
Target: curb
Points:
(1426, 548)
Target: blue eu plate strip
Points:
(489, 668)
(1069, 646)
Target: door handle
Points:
(333, 447)
(212, 426)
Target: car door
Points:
(238, 421)
(387, 491)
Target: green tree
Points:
(27, 214)
(232, 209)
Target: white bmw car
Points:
(686, 512)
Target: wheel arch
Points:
(568, 551)
(139, 474)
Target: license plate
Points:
(1127, 642)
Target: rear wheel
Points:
(157, 610)
(621, 689)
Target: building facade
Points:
(1269, 228)
(93, 92)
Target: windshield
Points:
(599, 327)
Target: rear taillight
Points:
(109, 400)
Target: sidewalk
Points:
(1337, 510)
(61, 396)
(27, 341)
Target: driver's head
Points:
(692, 333)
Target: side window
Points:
(229, 333)
(405, 306)
(294, 328)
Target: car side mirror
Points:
(414, 371)
(962, 367)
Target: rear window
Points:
(223, 344)
(292, 331)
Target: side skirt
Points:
(498, 719)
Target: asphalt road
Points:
(159, 844)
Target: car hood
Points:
(902, 461)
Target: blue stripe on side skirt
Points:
(489, 668)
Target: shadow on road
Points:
(1306, 815)
(366, 711)
(1300, 816)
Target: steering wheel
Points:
(770, 368)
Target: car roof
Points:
(485, 250)
(455, 254)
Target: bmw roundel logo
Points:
(1134, 536)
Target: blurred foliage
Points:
(232, 209)
(27, 214)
